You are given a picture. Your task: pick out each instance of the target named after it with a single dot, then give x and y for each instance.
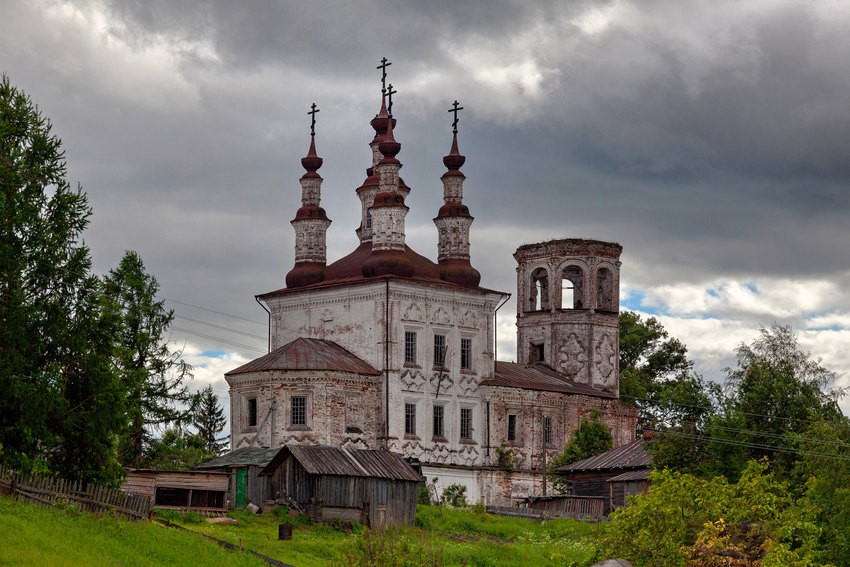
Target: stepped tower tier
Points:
(568, 309)
(310, 223)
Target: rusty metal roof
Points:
(334, 461)
(629, 456)
(538, 377)
(309, 354)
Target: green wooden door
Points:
(241, 487)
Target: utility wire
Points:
(228, 329)
(264, 324)
(220, 340)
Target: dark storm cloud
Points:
(711, 141)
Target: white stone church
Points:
(385, 348)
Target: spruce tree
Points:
(208, 418)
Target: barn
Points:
(614, 474)
(243, 467)
(375, 487)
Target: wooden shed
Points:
(185, 490)
(243, 467)
(592, 476)
(377, 488)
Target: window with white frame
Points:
(410, 347)
(410, 419)
(466, 353)
(439, 415)
(439, 350)
(466, 423)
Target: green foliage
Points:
(58, 391)
(591, 438)
(684, 519)
(454, 495)
(506, 456)
(151, 373)
(285, 516)
(207, 417)
(176, 450)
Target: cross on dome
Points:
(312, 112)
(390, 93)
(455, 109)
(383, 67)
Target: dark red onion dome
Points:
(304, 274)
(454, 210)
(454, 160)
(389, 147)
(310, 212)
(459, 272)
(388, 263)
(312, 162)
(372, 180)
(381, 122)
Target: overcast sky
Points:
(710, 139)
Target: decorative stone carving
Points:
(467, 385)
(468, 319)
(413, 313)
(441, 316)
(468, 455)
(605, 363)
(412, 381)
(441, 383)
(571, 356)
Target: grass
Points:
(32, 535)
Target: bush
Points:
(454, 495)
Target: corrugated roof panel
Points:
(630, 455)
(325, 460)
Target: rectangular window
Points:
(438, 421)
(466, 423)
(298, 415)
(410, 347)
(466, 353)
(439, 350)
(252, 412)
(410, 419)
(511, 427)
(547, 429)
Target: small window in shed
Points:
(207, 499)
(166, 496)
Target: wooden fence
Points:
(589, 508)
(49, 491)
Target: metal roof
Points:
(629, 456)
(325, 460)
(640, 474)
(309, 354)
(244, 456)
(539, 377)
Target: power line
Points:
(220, 340)
(228, 329)
(264, 324)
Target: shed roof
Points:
(639, 474)
(243, 456)
(309, 354)
(538, 376)
(335, 461)
(629, 456)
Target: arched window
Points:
(571, 291)
(604, 290)
(538, 296)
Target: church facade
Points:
(385, 348)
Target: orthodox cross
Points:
(312, 113)
(383, 67)
(454, 109)
(390, 93)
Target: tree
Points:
(208, 418)
(649, 357)
(774, 393)
(591, 438)
(58, 392)
(176, 450)
(152, 374)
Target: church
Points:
(386, 349)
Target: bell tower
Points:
(568, 294)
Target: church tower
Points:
(311, 222)
(568, 309)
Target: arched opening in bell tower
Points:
(571, 288)
(538, 296)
